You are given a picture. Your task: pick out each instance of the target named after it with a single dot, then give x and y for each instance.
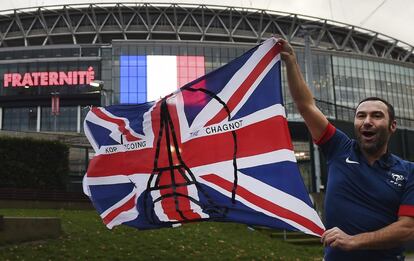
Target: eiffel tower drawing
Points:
(171, 180)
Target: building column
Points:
(78, 121)
(1, 118)
(38, 121)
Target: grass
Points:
(86, 238)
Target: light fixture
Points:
(96, 83)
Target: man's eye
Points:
(377, 115)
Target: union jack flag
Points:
(217, 149)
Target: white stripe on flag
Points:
(158, 208)
(114, 128)
(124, 216)
(192, 192)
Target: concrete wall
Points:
(22, 229)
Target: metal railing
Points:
(103, 22)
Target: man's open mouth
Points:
(368, 134)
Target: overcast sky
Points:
(394, 18)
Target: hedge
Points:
(36, 164)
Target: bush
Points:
(35, 164)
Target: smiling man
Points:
(369, 204)
(374, 123)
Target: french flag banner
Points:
(217, 149)
(150, 77)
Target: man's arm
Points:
(390, 236)
(301, 94)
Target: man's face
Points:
(373, 127)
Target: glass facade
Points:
(133, 73)
(338, 80)
(30, 77)
(189, 68)
(357, 78)
(66, 121)
(20, 119)
(51, 52)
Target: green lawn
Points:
(86, 238)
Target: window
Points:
(65, 121)
(20, 119)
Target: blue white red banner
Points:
(217, 149)
(149, 77)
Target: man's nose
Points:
(367, 121)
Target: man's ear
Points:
(393, 126)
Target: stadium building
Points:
(57, 61)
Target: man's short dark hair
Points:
(391, 112)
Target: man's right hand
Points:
(287, 53)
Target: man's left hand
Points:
(337, 238)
